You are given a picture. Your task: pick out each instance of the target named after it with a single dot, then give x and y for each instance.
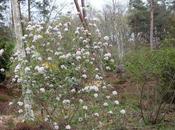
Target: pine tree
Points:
(43, 6)
(138, 19)
(2, 8)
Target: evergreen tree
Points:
(43, 7)
(138, 19)
(2, 8)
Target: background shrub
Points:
(6, 43)
(155, 72)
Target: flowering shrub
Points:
(62, 76)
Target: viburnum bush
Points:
(61, 73)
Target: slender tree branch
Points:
(80, 13)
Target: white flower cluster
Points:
(92, 88)
(40, 69)
(66, 56)
(2, 70)
(106, 38)
(36, 37)
(107, 56)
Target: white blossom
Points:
(108, 97)
(19, 80)
(80, 100)
(46, 119)
(41, 70)
(66, 29)
(104, 87)
(1, 52)
(107, 56)
(110, 112)
(114, 93)
(58, 98)
(56, 127)
(108, 68)
(28, 91)
(27, 106)
(95, 95)
(28, 50)
(49, 58)
(68, 127)
(105, 44)
(85, 41)
(30, 27)
(78, 58)
(84, 76)
(112, 60)
(91, 89)
(17, 68)
(63, 67)
(20, 111)
(85, 107)
(106, 38)
(10, 103)
(105, 104)
(2, 70)
(78, 53)
(27, 69)
(36, 37)
(80, 119)
(116, 102)
(97, 77)
(73, 90)
(96, 114)
(77, 32)
(97, 69)
(66, 101)
(42, 90)
(122, 111)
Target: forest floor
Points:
(128, 96)
(7, 94)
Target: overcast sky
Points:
(99, 3)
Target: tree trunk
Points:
(29, 10)
(17, 24)
(80, 13)
(44, 11)
(152, 24)
(20, 14)
(29, 115)
(84, 11)
(12, 21)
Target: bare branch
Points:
(81, 16)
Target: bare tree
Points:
(114, 23)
